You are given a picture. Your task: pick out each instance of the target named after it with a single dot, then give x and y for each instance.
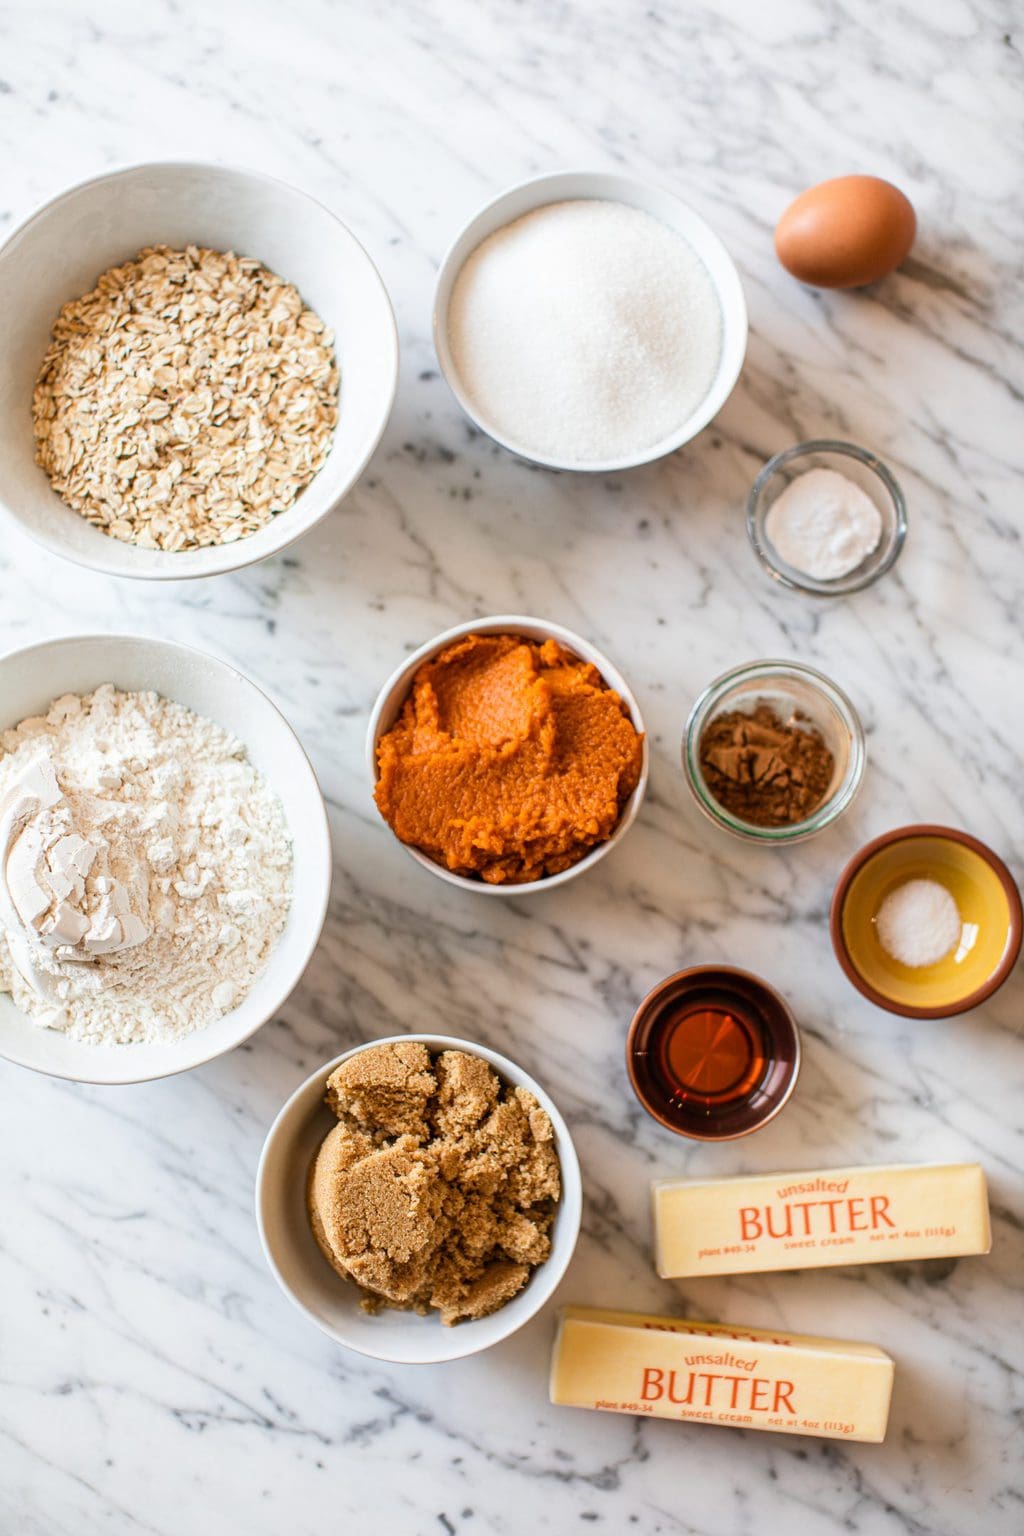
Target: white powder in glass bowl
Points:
(585, 331)
(823, 524)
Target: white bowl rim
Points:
(570, 1205)
(224, 565)
(516, 623)
(702, 415)
(324, 874)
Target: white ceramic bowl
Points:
(396, 690)
(29, 681)
(566, 186)
(64, 247)
(331, 1302)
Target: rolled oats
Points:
(185, 401)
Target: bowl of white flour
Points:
(165, 858)
(588, 322)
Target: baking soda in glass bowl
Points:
(823, 524)
(585, 330)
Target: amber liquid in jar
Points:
(710, 1054)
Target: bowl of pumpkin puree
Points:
(507, 755)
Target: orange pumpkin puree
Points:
(511, 759)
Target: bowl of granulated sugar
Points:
(588, 322)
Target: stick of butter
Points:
(809, 1220)
(710, 1373)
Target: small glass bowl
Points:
(864, 469)
(791, 688)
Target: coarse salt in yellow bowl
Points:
(987, 900)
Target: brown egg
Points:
(845, 232)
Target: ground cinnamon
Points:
(764, 770)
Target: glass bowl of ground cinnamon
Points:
(773, 751)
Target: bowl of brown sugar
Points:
(419, 1198)
(773, 751)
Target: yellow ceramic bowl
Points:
(990, 910)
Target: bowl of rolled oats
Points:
(198, 365)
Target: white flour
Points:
(585, 331)
(145, 868)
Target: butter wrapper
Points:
(811, 1220)
(710, 1373)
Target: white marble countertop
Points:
(154, 1379)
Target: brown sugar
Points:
(511, 759)
(384, 1091)
(437, 1188)
(764, 770)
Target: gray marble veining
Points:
(153, 1377)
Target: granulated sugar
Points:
(585, 331)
